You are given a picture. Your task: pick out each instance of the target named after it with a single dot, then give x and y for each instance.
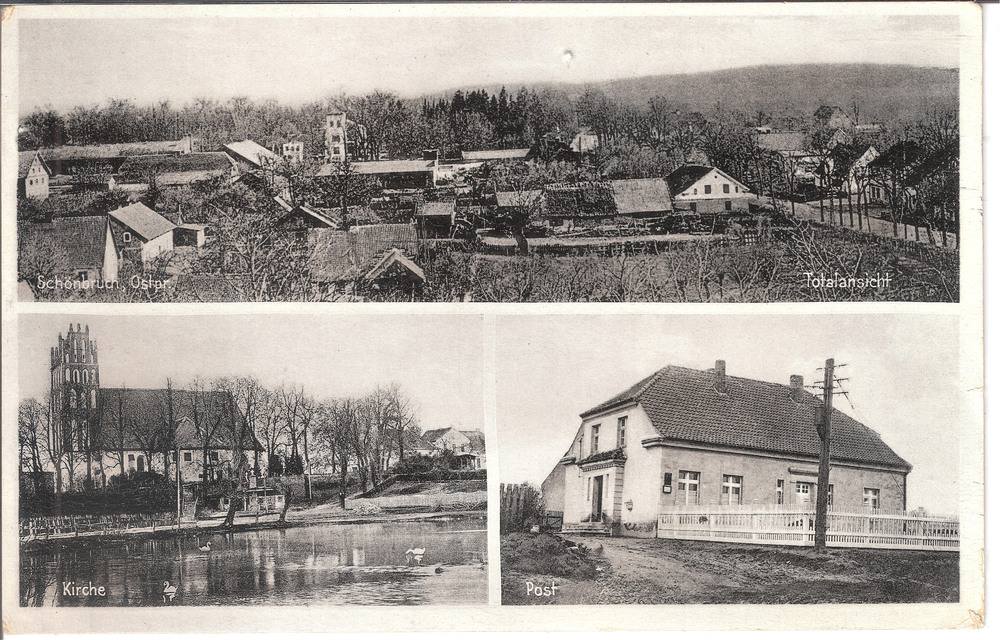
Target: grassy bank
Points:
(638, 571)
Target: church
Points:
(99, 433)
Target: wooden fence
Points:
(794, 525)
(75, 526)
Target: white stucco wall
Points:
(158, 245)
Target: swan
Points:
(168, 591)
(206, 547)
(415, 555)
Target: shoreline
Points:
(214, 529)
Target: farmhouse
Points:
(88, 244)
(703, 189)
(32, 175)
(435, 219)
(468, 446)
(101, 432)
(108, 158)
(250, 155)
(376, 255)
(569, 206)
(141, 233)
(683, 437)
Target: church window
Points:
(67, 373)
(93, 398)
(76, 375)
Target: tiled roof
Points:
(210, 162)
(683, 404)
(683, 177)
(339, 256)
(433, 434)
(143, 221)
(72, 152)
(511, 199)
(647, 195)
(146, 409)
(83, 238)
(496, 154)
(24, 162)
(251, 152)
(579, 200)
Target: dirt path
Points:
(638, 571)
(869, 225)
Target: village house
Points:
(293, 151)
(190, 235)
(702, 189)
(795, 150)
(689, 437)
(582, 205)
(88, 244)
(142, 234)
(108, 158)
(102, 432)
(435, 219)
(857, 176)
(32, 175)
(468, 446)
(378, 256)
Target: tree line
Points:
(266, 431)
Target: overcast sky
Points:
(437, 360)
(903, 374)
(69, 62)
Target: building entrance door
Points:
(598, 495)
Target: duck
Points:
(415, 555)
(169, 591)
(206, 547)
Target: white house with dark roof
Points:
(683, 436)
(32, 175)
(703, 189)
(141, 233)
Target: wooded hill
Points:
(884, 92)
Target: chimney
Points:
(720, 376)
(795, 382)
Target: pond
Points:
(322, 564)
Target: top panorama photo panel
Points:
(509, 156)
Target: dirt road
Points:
(634, 571)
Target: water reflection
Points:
(318, 564)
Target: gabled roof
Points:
(496, 154)
(340, 256)
(83, 238)
(899, 156)
(431, 435)
(389, 166)
(683, 177)
(394, 264)
(579, 200)
(305, 210)
(250, 151)
(24, 161)
(684, 405)
(142, 221)
(645, 195)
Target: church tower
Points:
(74, 391)
(336, 137)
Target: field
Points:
(719, 269)
(640, 571)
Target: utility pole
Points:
(824, 420)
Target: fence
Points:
(795, 525)
(74, 526)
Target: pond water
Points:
(323, 564)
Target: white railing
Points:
(794, 525)
(430, 501)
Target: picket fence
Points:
(795, 525)
(75, 526)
